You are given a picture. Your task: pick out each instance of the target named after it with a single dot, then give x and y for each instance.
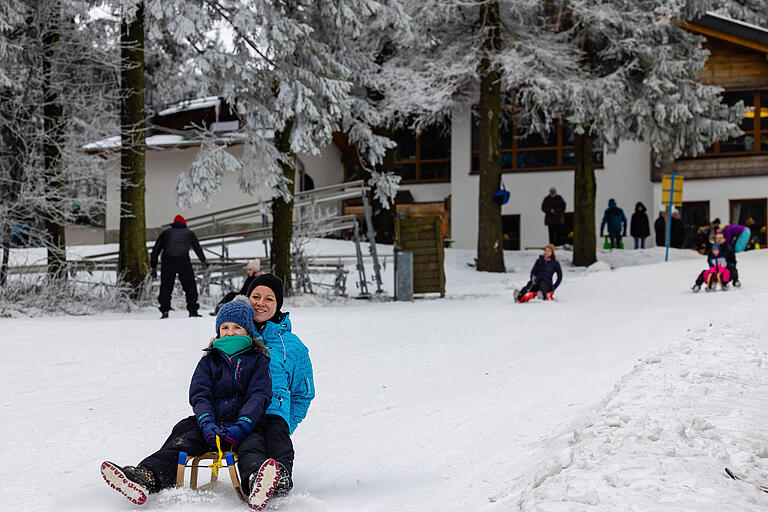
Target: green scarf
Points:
(231, 345)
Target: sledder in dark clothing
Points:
(541, 285)
(174, 244)
(229, 394)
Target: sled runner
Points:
(215, 458)
(731, 474)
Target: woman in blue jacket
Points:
(293, 386)
(229, 394)
(540, 285)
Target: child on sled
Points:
(540, 285)
(717, 273)
(230, 391)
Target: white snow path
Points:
(411, 396)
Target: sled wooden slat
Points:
(231, 466)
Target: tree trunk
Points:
(384, 218)
(132, 261)
(584, 186)
(52, 122)
(282, 214)
(490, 254)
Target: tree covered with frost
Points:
(636, 78)
(751, 11)
(614, 70)
(57, 91)
(296, 71)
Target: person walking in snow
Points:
(617, 223)
(174, 243)
(229, 394)
(726, 253)
(553, 207)
(252, 270)
(639, 227)
(540, 285)
(293, 385)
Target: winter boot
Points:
(696, 288)
(135, 483)
(723, 286)
(262, 483)
(194, 314)
(528, 296)
(284, 484)
(737, 283)
(164, 315)
(516, 294)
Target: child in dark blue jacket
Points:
(541, 285)
(230, 391)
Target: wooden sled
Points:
(231, 466)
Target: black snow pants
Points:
(535, 285)
(187, 437)
(170, 268)
(278, 438)
(615, 238)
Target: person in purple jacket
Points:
(737, 236)
(230, 391)
(540, 285)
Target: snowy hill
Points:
(628, 393)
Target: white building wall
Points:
(625, 177)
(325, 168)
(719, 193)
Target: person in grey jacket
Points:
(174, 244)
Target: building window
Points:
(424, 157)
(752, 213)
(754, 124)
(536, 152)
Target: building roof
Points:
(729, 29)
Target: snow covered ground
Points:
(628, 393)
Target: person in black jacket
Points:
(660, 226)
(639, 227)
(174, 243)
(553, 207)
(541, 286)
(677, 231)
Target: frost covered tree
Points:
(296, 72)
(635, 79)
(751, 11)
(474, 55)
(54, 75)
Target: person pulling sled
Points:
(540, 286)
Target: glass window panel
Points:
(597, 156)
(435, 143)
(406, 145)
(764, 110)
(738, 145)
(748, 97)
(569, 157)
(536, 140)
(567, 134)
(764, 142)
(507, 135)
(406, 171)
(475, 163)
(536, 159)
(507, 160)
(435, 171)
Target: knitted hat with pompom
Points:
(237, 312)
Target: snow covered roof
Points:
(741, 32)
(159, 141)
(195, 104)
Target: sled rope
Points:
(216, 465)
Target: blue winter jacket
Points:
(615, 218)
(544, 269)
(231, 388)
(293, 386)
